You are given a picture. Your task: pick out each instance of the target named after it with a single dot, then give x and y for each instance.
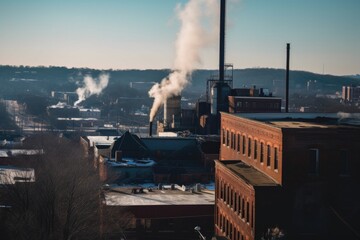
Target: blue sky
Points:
(123, 34)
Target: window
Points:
(261, 152)
(344, 162)
(234, 140)
(268, 158)
(255, 150)
(223, 136)
(235, 202)
(242, 208)
(247, 212)
(314, 161)
(276, 158)
(238, 142)
(249, 147)
(227, 138)
(222, 190)
(243, 145)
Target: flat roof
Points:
(249, 174)
(252, 97)
(304, 120)
(123, 196)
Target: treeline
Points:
(42, 80)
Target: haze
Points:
(141, 34)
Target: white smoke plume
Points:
(199, 28)
(91, 86)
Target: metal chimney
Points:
(150, 128)
(287, 77)
(222, 41)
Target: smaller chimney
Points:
(287, 77)
(118, 156)
(150, 129)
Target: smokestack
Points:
(222, 41)
(150, 128)
(287, 77)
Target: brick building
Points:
(164, 212)
(286, 173)
(253, 100)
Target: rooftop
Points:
(305, 120)
(125, 196)
(12, 175)
(20, 152)
(101, 140)
(249, 174)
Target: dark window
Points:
(242, 208)
(276, 158)
(255, 149)
(234, 140)
(249, 147)
(223, 136)
(314, 161)
(247, 212)
(243, 145)
(344, 162)
(238, 142)
(227, 138)
(231, 139)
(261, 152)
(268, 159)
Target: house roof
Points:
(130, 144)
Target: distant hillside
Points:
(42, 80)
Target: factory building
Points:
(286, 174)
(350, 94)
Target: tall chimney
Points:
(287, 77)
(150, 129)
(222, 41)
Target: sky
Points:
(141, 34)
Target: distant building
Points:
(350, 94)
(253, 100)
(90, 112)
(10, 175)
(292, 174)
(158, 212)
(67, 97)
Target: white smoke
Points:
(198, 30)
(91, 86)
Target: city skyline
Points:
(141, 34)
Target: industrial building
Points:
(350, 94)
(158, 212)
(287, 174)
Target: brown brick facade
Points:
(254, 143)
(315, 164)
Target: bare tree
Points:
(63, 202)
